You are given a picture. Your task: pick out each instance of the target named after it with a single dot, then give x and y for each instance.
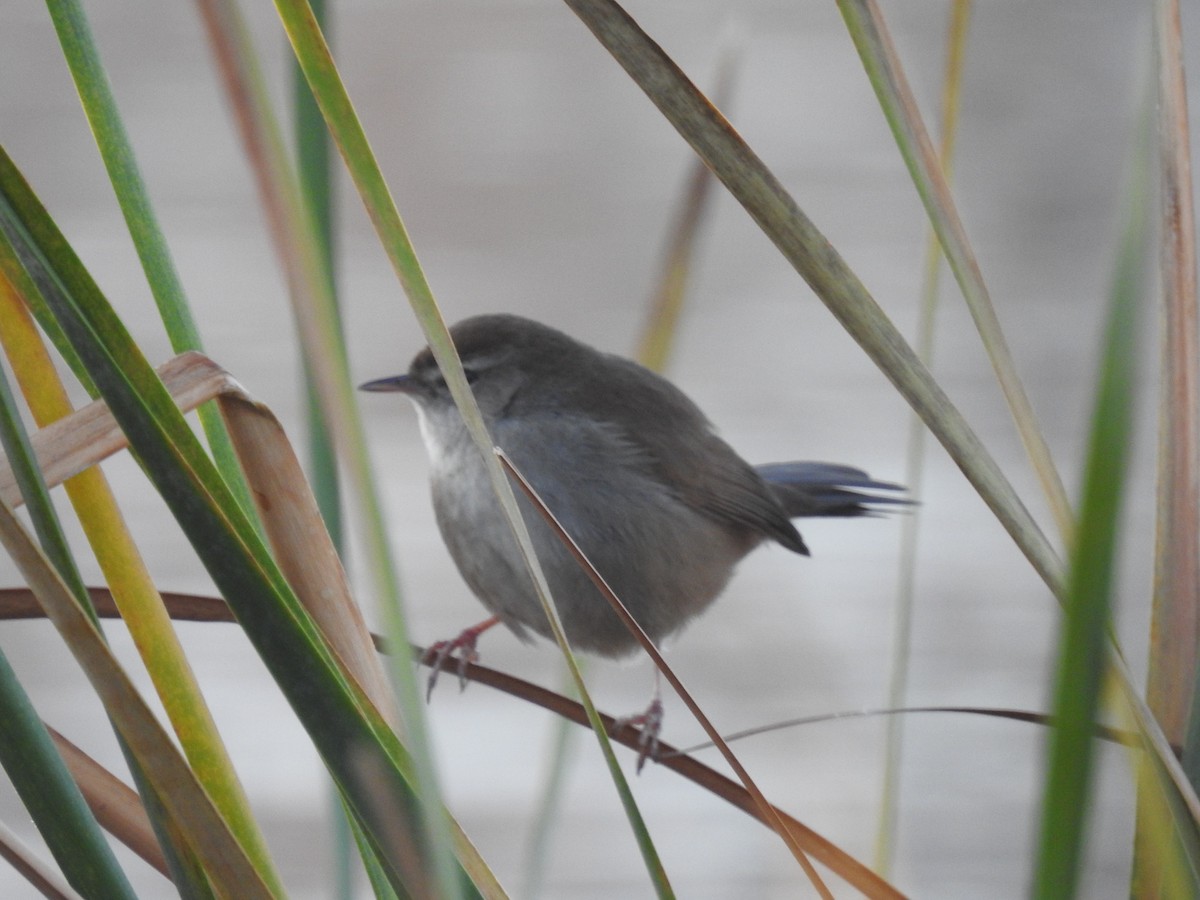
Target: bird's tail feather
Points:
(828, 489)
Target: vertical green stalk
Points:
(315, 176)
(1083, 645)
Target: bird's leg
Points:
(463, 645)
(650, 723)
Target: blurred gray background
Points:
(535, 178)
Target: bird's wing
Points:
(665, 432)
(719, 483)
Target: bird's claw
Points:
(650, 725)
(461, 648)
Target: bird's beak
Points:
(402, 383)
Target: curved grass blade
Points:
(310, 562)
(301, 545)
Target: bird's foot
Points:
(461, 648)
(650, 725)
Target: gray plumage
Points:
(629, 465)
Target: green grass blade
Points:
(315, 176)
(95, 93)
(91, 82)
(96, 333)
(182, 860)
(160, 649)
(123, 567)
(1083, 647)
(21, 286)
(314, 167)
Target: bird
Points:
(659, 503)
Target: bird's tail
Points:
(827, 489)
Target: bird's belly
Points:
(666, 562)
